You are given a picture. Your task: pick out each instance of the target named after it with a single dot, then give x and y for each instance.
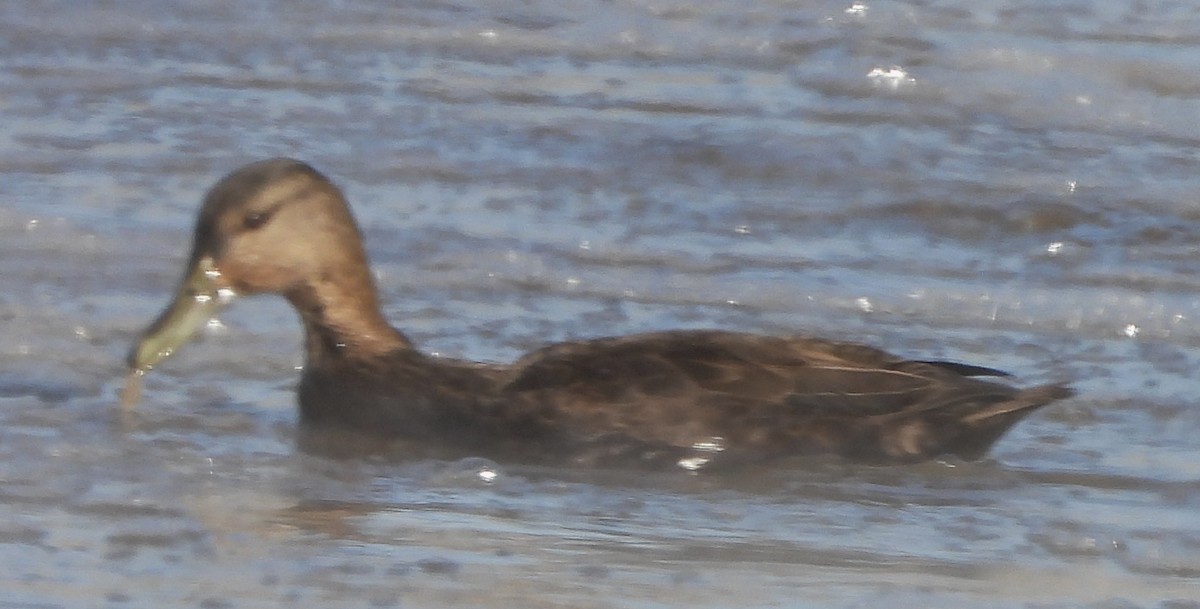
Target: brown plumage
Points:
(684, 397)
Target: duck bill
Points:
(198, 299)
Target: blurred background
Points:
(1010, 184)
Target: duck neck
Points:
(342, 321)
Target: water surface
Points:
(1010, 184)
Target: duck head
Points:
(275, 226)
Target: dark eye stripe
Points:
(255, 220)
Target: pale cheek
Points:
(249, 272)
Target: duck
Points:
(688, 398)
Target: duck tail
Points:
(984, 427)
(1021, 404)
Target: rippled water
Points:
(1011, 184)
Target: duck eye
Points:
(255, 220)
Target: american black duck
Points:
(686, 397)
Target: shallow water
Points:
(1010, 184)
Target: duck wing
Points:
(763, 396)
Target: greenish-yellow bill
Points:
(196, 301)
